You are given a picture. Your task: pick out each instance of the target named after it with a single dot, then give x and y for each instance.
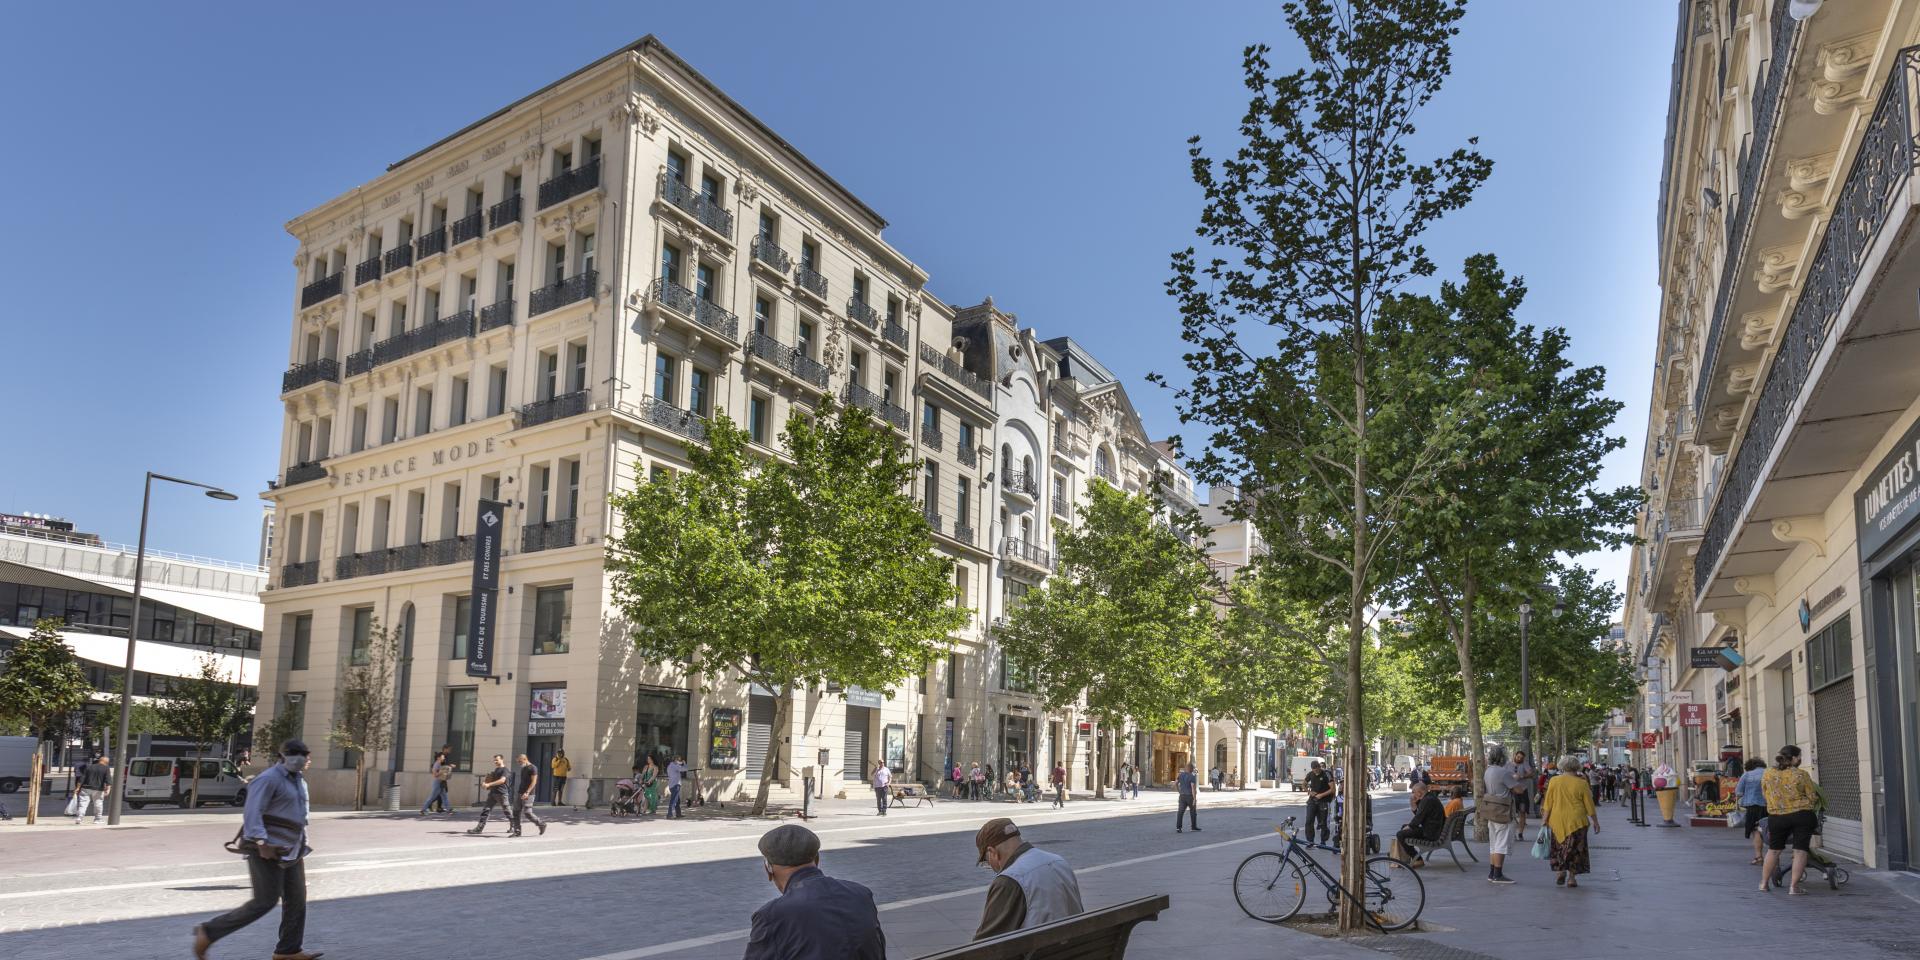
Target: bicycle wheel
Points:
(1394, 894)
(1269, 887)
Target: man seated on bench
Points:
(1429, 819)
(1030, 886)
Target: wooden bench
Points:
(1452, 832)
(1095, 935)
(911, 795)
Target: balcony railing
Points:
(697, 205)
(300, 574)
(325, 369)
(894, 333)
(1020, 481)
(413, 556)
(953, 369)
(934, 519)
(366, 271)
(1020, 551)
(431, 243)
(505, 212)
(571, 183)
(932, 437)
(963, 532)
(700, 310)
(769, 253)
(496, 315)
(789, 359)
(1106, 473)
(810, 280)
(1060, 508)
(965, 453)
(469, 227)
(859, 396)
(399, 258)
(551, 409)
(319, 290)
(683, 422)
(556, 295)
(304, 471)
(1879, 172)
(550, 535)
(862, 313)
(407, 343)
(359, 362)
(1683, 516)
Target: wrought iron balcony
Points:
(571, 183)
(967, 456)
(359, 362)
(934, 519)
(413, 556)
(1683, 516)
(707, 211)
(932, 437)
(573, 289)
(300, 574)
(1061, 508)
(551, 409)
(550, 535)
(859, 396)
(1022, 482)
(963, 533)
(769, 253)
(365, 564)
(431, 243)
(367, 271)
(683, 422)
(954, 371)
(862, 314)
(1061, 445)
(496, 315)
(304, 471)
(894, 333)
(505, 212)
(325, 369)
(321, 289)
(399, 258)
(1019, 551)
(1105, 472)
(700, 310)
(809, 280)
(469, 227)
(789, 359)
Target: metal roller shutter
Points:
(759, 734)
(1836, 737)
(854, 763)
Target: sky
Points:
(1032, 152)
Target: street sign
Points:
(1526, 718)
(486, 584)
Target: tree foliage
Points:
(41, 685)
(1271, 662)
(795, 572)
(206, 708)
(363, 722)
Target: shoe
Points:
(201, 942)
(1178, 830)
(302, 955)
(543, 828)
(512, 833)
(474, 832)
(1196, 829)
(1500, 878)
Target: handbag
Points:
(1496, 809)
(1738, 818)
(1541, 845)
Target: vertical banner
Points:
(486, 585)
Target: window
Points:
(1006, 462)
(542, 483)
(856, 367)
(710, 189)
(360, 642)
(552, 618)
(462, 614)
(416, 515)
(670, 261)
(397, 319)
(700, 393)
(810, 255)
(359, 439)
(576, 367)
(423, 411)
(963, 503)
(676, 166)
(585, 259)
(703, 282)
(556, 262)
(930, 489)
(757, 415)
(349, 529)
(930, 417)
(570, 469)
(430, 305)
(512, 184)
(859, 289)
(663, 386)
(503, 282)
(390, 420)
(461, 709)
(966, 435)
(954, 662)
(449, 510)
(769, 228)
(888, 383)
(382, 514)
(763, 316)
(549, 383)
(302, 641)
(457, 402)
(893, 309)
(805, 343)
(963, 588)
(1830, 654)
(496, 390)
(469, 292)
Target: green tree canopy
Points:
(206, 708)
(41, 685)
(1272, 659)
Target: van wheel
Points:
(9, 785)
(137, 804)
(239, 799)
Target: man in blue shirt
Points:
(275, 824)
(1754, 805)
(675, 772)
(1188, 783)
(815, 917)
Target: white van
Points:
(16, 762)
(170, 780)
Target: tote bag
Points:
(1542, 844)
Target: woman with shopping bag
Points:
(1567, 813)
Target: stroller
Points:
(626, 799)
(1817, 862)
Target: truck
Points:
(16, 762)
(1451, 771)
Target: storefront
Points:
(1887, 515)
(662, 727)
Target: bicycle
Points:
(1272, 886)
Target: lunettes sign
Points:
(1890, 499)
(382, 470)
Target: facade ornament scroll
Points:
(1810, 530)
(1743, 377)
(1777, 266)
(1735, 618)
(1758, 585)
(1843, 80)
(1757, 327)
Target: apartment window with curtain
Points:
(552, 619)
(302, 641)
(462, 613)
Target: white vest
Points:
(1048, 885)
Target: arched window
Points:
(1006, 460)
(1103, 464)
(1026, 466)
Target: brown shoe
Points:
(201, 942)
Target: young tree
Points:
(1312, 225)
(206, 708)
(1125, 620)
(141, 718)
(363, 723)
(795, 572)
(1272, 657)
(41, 685)
(268, 737)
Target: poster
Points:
(547, 712)
(723, 745)
(896, 747)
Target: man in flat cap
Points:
(274, 831)
(1032, 887)
(815, 917)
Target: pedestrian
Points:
(882, 780)
(1752, 797)
(1522, 774)
(1429, 818)
(1496, 810)
(273, 829)
(523, 797)
(988, 785)
(815, 917)
(1793, 802)
(1133, 780)
(974, 780)
(1319, 788)
(1567, 811)
(1059, 783)
(1188, 785)
(495, 784)
(1215, 776)
(1126, 778)
(1030, 886)
(1029, 783)
(959, 778)
(96, 784)
(676, 774)
(649, 781)
(441, 769)
(560, 767)
(1456, 801)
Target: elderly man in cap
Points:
(815, 916)
(274, 827)
(1032, 887)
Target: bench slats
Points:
(1095, 935)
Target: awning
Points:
(164, 659)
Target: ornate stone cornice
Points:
(1843, 80)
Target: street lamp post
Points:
(133, 639)
(1526, 677)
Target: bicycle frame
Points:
(1320, 873)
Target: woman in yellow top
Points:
(1567, 812)
(1792, 799)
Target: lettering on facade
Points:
(401, 466)
(1890, 499)
(422, 186)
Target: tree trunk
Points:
(1470, 697)
(1353, 868)
(360, 780)
(34, 777)
(781, 714)
(193, 795)
(1094, 759)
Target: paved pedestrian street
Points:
(399, 886)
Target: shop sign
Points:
(861, 697)
(723, 745)
(1702, 658)
(402, 466)
(1890, 499)
(1693, 715)
(1649, 740)
(547, 712)
(1679, 696)
(487, 533)
(1810, 612)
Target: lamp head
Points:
(221, 495)
(1526, 608)
(1559, 608)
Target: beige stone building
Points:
(1773, 600)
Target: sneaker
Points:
(1196, 829)
(1500, 878)
(474, 832)
(543, 828)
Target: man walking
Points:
(560, 767)
(1189, 786)
(676, 772)
(882, 782)
(1522, 773)
(495, 784)
(1059, 784)
(815, 917)
(96, 784)
(1319, 802)
(274, 826)
(523, 798)
(441, 770)
(1030, 886)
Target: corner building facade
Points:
(545, 308)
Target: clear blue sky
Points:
(1031, 151)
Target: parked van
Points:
(16, 762)
(170, 780)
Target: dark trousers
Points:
(559, 792)
(1188, 810)
(880, 799)
(1317, 811)
(673, 801)
(523, 807)
(273, 883)
(494, 799)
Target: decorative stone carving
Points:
(1743, 377)
(1843, 80)
(748, 186)
(1726, 417)
(1808, 173)
(1777, 266)
(1757, 327)
(1810, 530)
(1758, 585)
(1735, 618)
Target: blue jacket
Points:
(818, 918)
